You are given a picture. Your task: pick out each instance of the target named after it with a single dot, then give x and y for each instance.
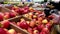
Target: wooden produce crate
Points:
(3, 9)
(13, 29)
(18, 29)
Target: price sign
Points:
(39, 8)
(29, 0)
(23, 0)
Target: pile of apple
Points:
(14, 12)
(7, 15)
(23, 10)
(35, 15)
(5, 29)
(39, 26)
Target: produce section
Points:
(29, 18)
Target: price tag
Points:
(39, 8)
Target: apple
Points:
(38, 23)
(35, 32)
(46, 30)
(12, 31)
(11, 14)
(14, 12)
(28, 22)
(51, 16)
(31, 9)
(40, 27)
(30, 15)
(21, 10)
(30, 30)
(18, 23)
(40, 18)
(25, 11)
(48, 25)
(23, 25)
(26, 15)
(36, 13)
(40, 12)
(18, 11)
(32, 23)
(26, 8)
(35, 28)
(14, 8)
(34, 16)
(2, 31)
(6, 15)
(6, 30)
(1, 16)
(42, 33)
(45, 21)
(5, 24)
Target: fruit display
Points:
(25, 19)
(35, 26)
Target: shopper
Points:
(53, 7)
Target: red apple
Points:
(42, 33)
(1, 16)
(18, 11)
(21, 10)
(12, 14)
(48, 25)
(35, 28)
(32, 24)
(40, 18)
(6, 15)
(40, 12)
(25, 11)
(30, 30)
(23, 25)
(51, 16)
(2, 31)
(40, 27)
(26, 8)
(5, 24)
(46, 30)
(6, 30)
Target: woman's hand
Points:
(56, 19)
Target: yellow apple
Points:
(45, 21)
(12, 31)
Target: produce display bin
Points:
(20, 30)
